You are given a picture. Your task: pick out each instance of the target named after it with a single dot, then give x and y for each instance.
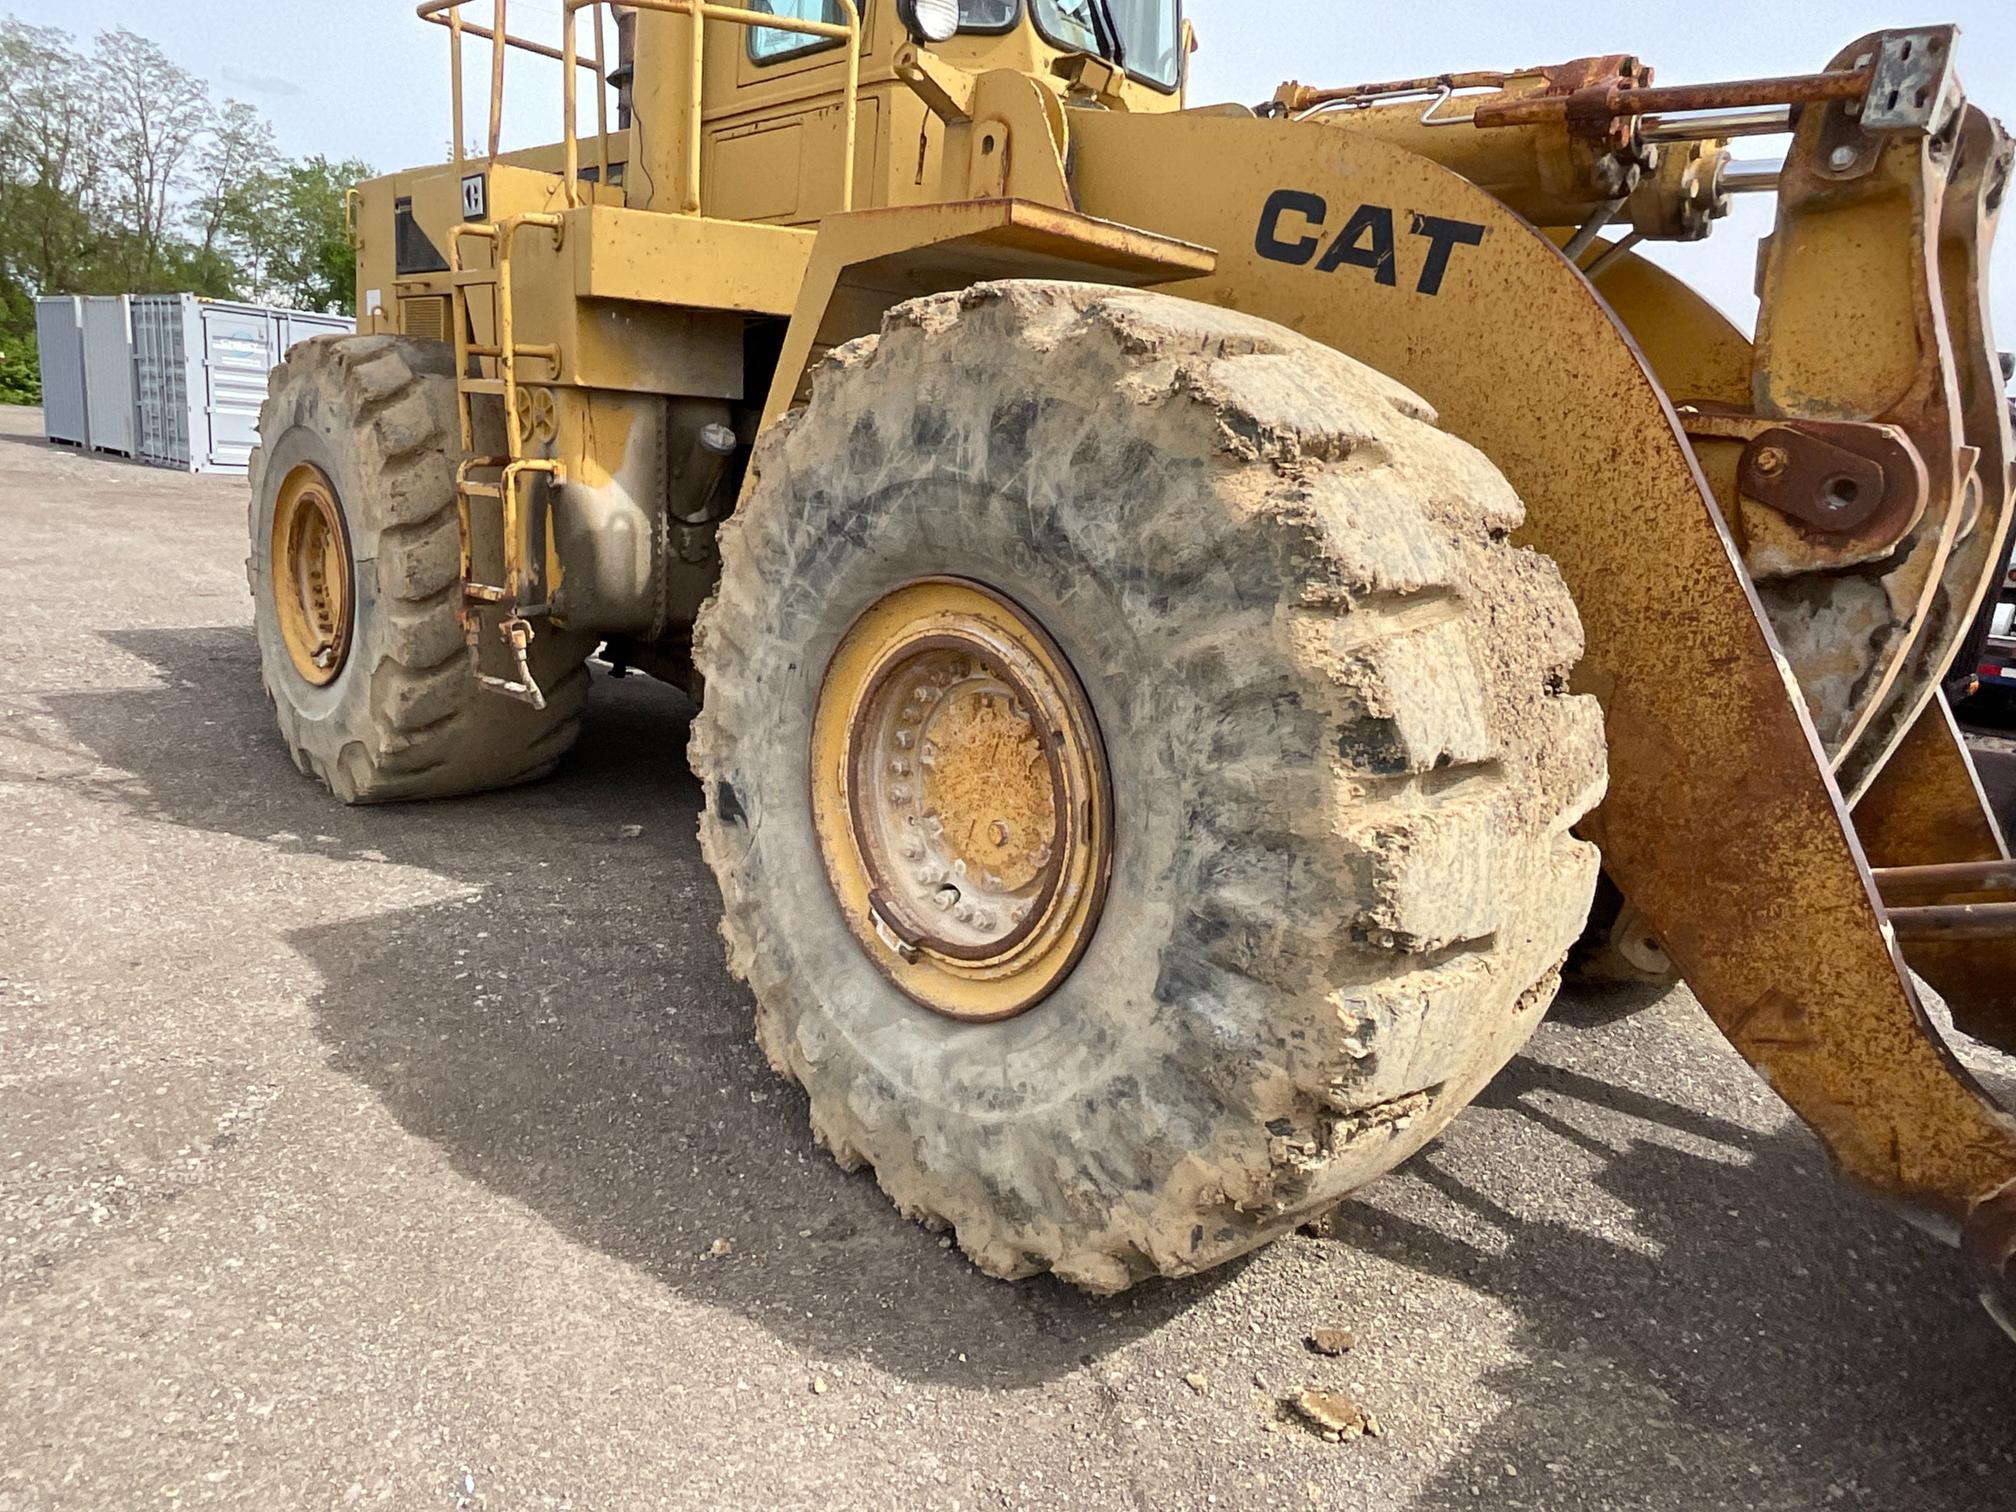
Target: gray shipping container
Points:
(202, 367)
(59, 348)
(108, 373)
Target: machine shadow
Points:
(566, 1031)
(1750, 1346)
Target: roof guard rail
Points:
(448, 13)
(702, 12)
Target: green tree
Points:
(51, 167)
(240, 144)
(294, 242)
(156, 115)
(20, 380)
(119, 175)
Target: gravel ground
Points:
(382, 1158)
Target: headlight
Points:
(931, 20)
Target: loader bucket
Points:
(1726, 826)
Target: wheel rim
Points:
(311, 575)
(960, 795)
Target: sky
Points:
(365, 79)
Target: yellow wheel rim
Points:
(960, 796)
(311, 575)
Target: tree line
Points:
(120, 174)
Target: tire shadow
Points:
(1593, 1005)
(567, 1032)
(1762, 1337)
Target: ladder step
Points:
(481, 386)
(538, 351)
(474, 278)
(482, 490)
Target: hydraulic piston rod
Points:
(1751, 178)
(1716, 124)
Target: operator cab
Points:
(774, 102)
(1145, 37)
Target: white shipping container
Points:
(59, 348)
(108, 373)
(201, 370)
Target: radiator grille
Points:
(425, 316)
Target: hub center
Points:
(959, 788)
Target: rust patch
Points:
(1775, 1020)
(987, 781)
(1837, 479)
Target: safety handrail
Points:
(703, 12)
(448, 13)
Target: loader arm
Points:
(1724, 824)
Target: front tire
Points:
(1343, 768)
(359, 646)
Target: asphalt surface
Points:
(379, 1158)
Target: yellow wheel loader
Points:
(1197, 611)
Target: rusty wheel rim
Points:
(961, 799)
(311, 575)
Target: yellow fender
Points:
(1723, 825)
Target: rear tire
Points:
(402, 717)
(1343, 764)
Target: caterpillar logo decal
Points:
(1294, 228)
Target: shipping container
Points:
(59, 348)
(108, 373)
(201, 368)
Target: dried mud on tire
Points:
(404, 718)
(1344, 761)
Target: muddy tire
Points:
(1343, 762)
(401, 718)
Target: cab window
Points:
(1150, 34)
(769, 45)
(989, 15)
